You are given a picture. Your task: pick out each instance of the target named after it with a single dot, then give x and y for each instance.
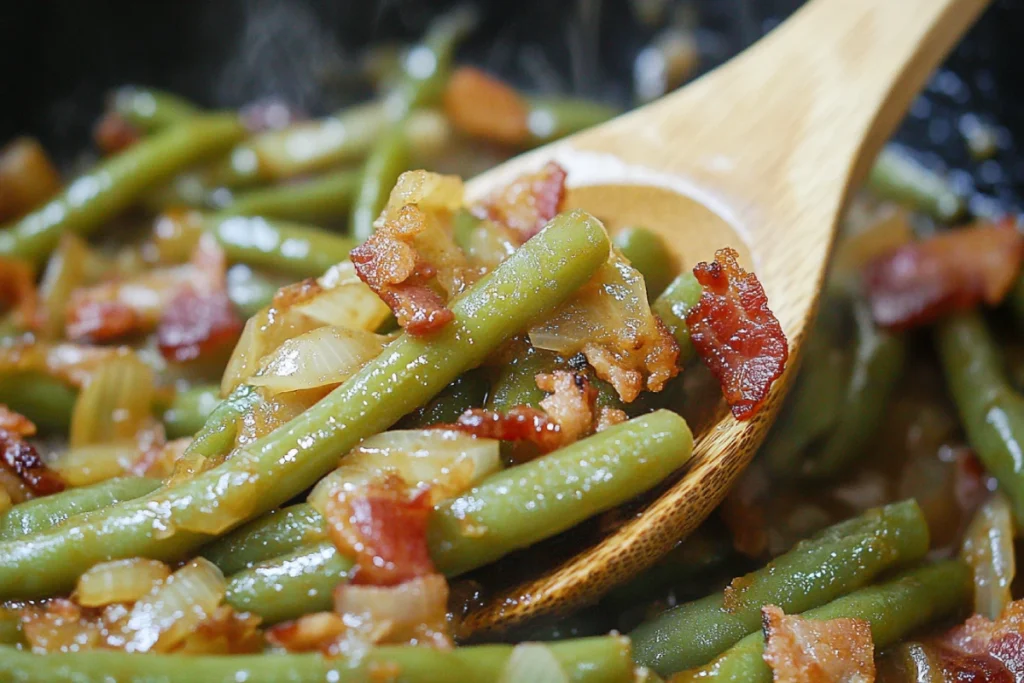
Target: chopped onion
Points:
(94, 463)
(447, 461)
(533, 662)
(411, 612)
(64, 272)
(491, 243)
(988, 549)
(321, 357)
(115, 404)
(346, 301)
(166, 616)
(263, 334)
(431, 192)
(119, 581)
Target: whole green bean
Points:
(298, 250)
(272, 535)
(388, 158)
(991, 411)
(899, 177)
(647, 252)
(524, 504)
(49, 511)
(588, 660)
(190, 409)
(151, 110)
(877, 365)
(321, 198)
(292, 585)
(672, 306)
(178, 519)
(894, 609)
(467, 391)
(117, 182)
(46, 401)
(840, 559)
(217, 435)
(551, 118)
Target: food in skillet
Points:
(253, 446)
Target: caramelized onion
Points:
(115, 404)
(119, 581)
(345, 301)
(988, 549)
(533, 662)
(326, 356)
(413, 612)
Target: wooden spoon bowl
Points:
(759, 155)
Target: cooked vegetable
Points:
(898, 176)
(150, 110)
(324, 197)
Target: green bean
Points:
(840, 559)
(387, 160)
(189, 411)
(877, 365)
(673, 305)
(275, 534)
(588, 660)
(49, 511)
(991, 411)
(250, 290)
(115, 183)
(551, 118)
(10, 627)
(524, 504)
(46, 401)
(322, 198)
(217, 435)
(298, 250)
(902, 179)
(894, 609)
(467, 391)
(151, 110)
(288, 587)
(178, 519)
(647, 252)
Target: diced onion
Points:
(431, 192)
(533, 662)
(64, 272)
(115, 404)
(346, 301)
(165, 617)
(92, 464)
(262, 334)
(988, 549)
(447, 461)
(119, 581)
(413, 610)
(324, 356)
(491, 243)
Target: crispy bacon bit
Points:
(736, 334)
(482, 106)
(805, 651)
(22, 460)
(609, 417)
(15, 423)
(113, 133)
(225, 632)
(984, 650)
(521, 423)
(918, 283)
(315, 632)
(27, 177)
(18, 291)
(528, 203)
(571, 403)
(391, 266)
(384, 530)
(196, 325)
(111, 310)
(413, 612)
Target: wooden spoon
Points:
(760, 155)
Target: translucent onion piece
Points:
(324, 356)
(263, 334)
(346, 301)
(533, 662)
(165, 617)
(431, 192)
(65, 271)
(411, 612)
(491, 243)
(447, 461)
(119, 581)
(115, 404)
(988, 549)
(92, 464)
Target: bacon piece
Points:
(113, 133)
(984, 650)
(484, 107)
(196, 325)
(111, 310)
(571, 403)
(22, 460)
(609, 417)
(384, 530)
(805, 651)
(521, 423)
(224, 632)
(735, 333)
(918, 283)
(528, 203)
(59, 625)
(18, 291)
(315, 632)
(15, 423)
(391, 266)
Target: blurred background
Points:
(60, 57)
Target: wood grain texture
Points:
(761, 155)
